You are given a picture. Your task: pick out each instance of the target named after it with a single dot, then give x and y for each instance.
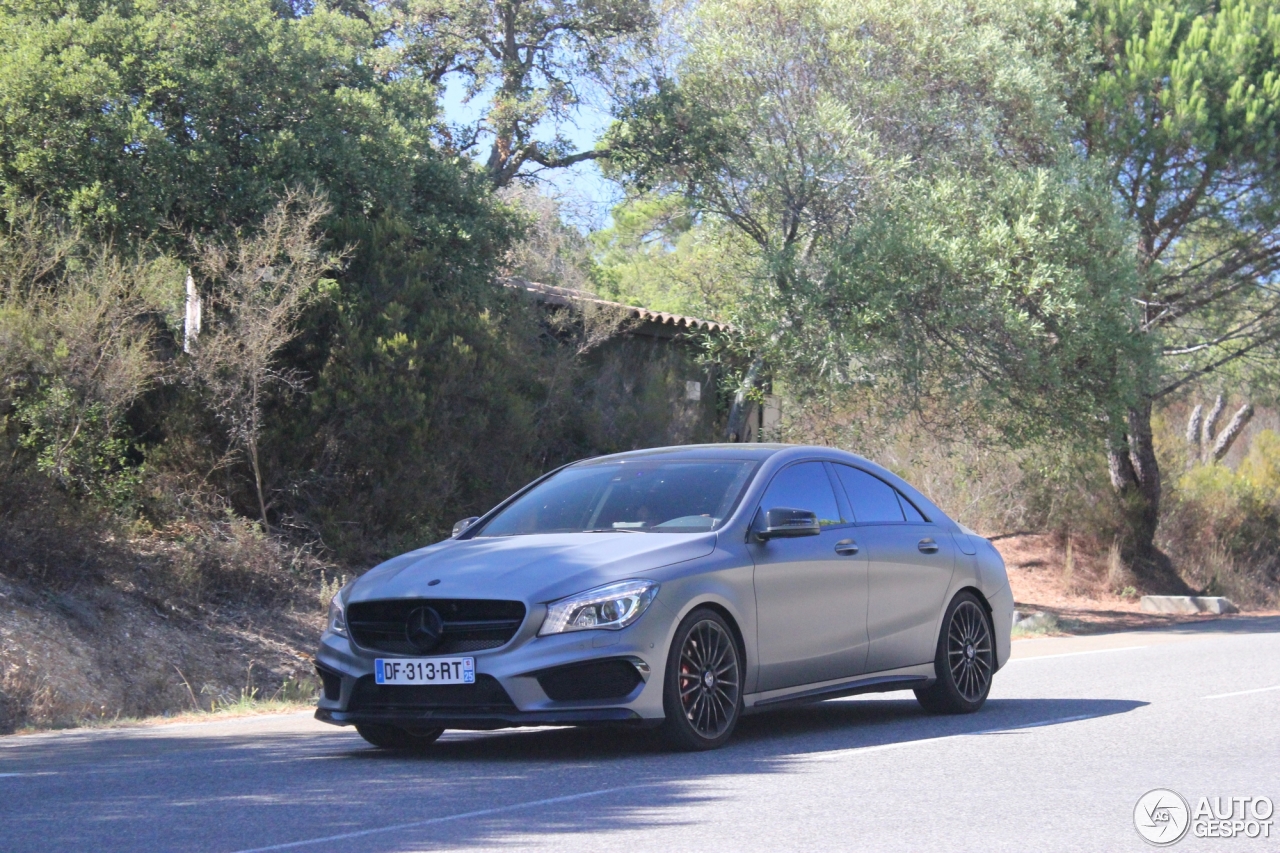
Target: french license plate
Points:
(425, 670)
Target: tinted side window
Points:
(909, 508)
(804, 486)
(872, 499)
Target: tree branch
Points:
(551, 162)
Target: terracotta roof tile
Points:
(553, 295)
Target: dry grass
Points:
(231, 712)
(1248, 583)
(1077, 571)
(1093, 597)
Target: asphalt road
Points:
(1076, 730)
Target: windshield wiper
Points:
(615, 530)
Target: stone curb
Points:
(1187, 604)
(1033, 621)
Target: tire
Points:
(965, 659)
(702, 685)
(392, 737)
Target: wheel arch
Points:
(967, 586)
(999, 628)
(712, 600)
(982, 599)
(724, 613)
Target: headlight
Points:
(613, 607)
(337, 616)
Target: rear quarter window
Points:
(872, 499)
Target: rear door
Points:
(811, 591)
(910, 563)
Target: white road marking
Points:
(435, 820)
(1244, 692)
(1073, 654)
(8, 775)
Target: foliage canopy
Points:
(918, 220)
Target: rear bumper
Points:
(1002, 615)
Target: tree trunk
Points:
(257, 482)
(1210, 427)
(1193, 435)
(737, 428)
(1135, 475)
(1228, 436)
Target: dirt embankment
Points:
(1079, 586)
(107, 651)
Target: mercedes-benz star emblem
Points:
(424, 628)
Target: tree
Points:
(531, 58)
(656, 254)
(148, 122)
(79, 346)
(164, 118)
(914, 213)
(264, 282)
(548, 251)
(1181, 108)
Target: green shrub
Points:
(78, 447)
(1222, 527)
(1261, 466)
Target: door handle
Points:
(846, 547)
(928, 546)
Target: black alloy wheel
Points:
(394, 737)
(965, 659)
(703, 687)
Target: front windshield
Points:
(640, 496)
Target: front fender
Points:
(728, 587)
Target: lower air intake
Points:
(595, 681)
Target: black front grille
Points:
(485, 696)
(595, 680)
(470, 624)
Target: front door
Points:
(811, 591)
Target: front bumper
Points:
(513, 685)
(445, 719)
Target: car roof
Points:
(761, 452)
(755, 452)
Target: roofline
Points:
(746, 450)
(675, 323)
(765, 452)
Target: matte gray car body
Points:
(811, 624)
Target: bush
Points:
(77, 446)
(975, 478)
(1222, 527)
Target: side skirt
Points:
(905, 679)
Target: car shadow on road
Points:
(849, 724)
(320, 790)
(648, 785)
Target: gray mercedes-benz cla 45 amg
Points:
(679, 588)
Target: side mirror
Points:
(464, 524)
(783, 523)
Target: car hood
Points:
(532, 569)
